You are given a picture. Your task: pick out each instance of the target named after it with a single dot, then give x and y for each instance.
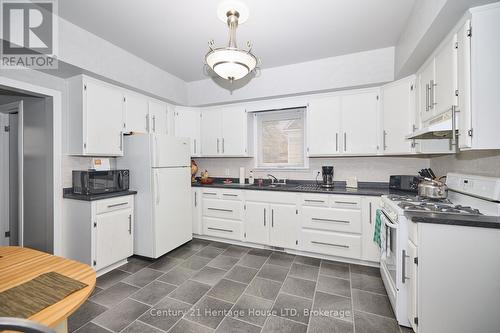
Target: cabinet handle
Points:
(311, 200)
(264, 217)
(194, 145)
(223, 147)
(209, 193)
(370, 212)
(221, 210)
(121, 141)
(154, 124)
(403, 265)
(195, 199)
(346, 202)
(345, 141)
(329, 220)
(130, 224)
(117, 204)
(147, 123)
(330, 244)
(157, 189)
(384, 139)
(336, 141)
(217, 145)
(433, 87)
(229, 195)
(219, 229)
(427, 97)
(272, 218)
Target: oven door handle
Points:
(387, 223)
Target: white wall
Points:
(342, 72)
(484, 163)
(371, 169)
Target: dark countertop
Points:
(68, 194)
(300, 186)
(480, 221)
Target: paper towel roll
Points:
(242, 175)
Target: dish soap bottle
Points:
(250, 177)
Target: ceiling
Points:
(173, 35)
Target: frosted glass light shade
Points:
(231, 64)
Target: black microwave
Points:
(96, 182)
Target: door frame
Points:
(28, 88)
(7, 109)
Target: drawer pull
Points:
(218, 229)
(311, 200)
(221, 210)
(117, 204)
(209, 193)
(346, 202)
(130, 224)
(329, 220)
(230, 195)
(330, 244)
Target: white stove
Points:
(469, 196)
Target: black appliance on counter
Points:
(407, 183)
(327, 171)
(95, 182)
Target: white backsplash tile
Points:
(375, 169)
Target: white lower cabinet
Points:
(197, 211)
(412, 278)
(336, 225)
(99, 233)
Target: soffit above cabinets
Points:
(173, 35)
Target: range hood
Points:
(440, 127)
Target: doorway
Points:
(26, 150)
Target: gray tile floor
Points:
(207, 286)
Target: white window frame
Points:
(278, 114)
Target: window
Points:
(280, 139)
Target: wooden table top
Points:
(18, 265)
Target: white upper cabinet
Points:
(360, 123)
(188, 125)
(96, 116)
(464, 85)
(398, 107)
(323, 126)
(343, 124)
(158, 117)
(445, 89)
(426, 85)
(136, 113)
(211, 132)
(224, 132)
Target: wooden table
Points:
(18, 265)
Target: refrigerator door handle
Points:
(156, 150)
(157, 188)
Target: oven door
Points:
(388, 255)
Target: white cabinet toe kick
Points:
(329, 226)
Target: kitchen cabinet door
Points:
(397, 107)
(158, 117)
(136, 113)
(103, 114)
(197, 210)
(284, 222)
(257, 222)
(211, 132)
(426, 79)
(412, 275)
(114, 239)
(464, 86)
(187, 125)
(234, 132)
(370, 249)
(445, 78)
(360, 123)
(323, 126)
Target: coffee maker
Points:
(327, 172)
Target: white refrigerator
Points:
(160, 171)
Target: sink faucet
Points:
(276, 180)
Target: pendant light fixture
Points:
(230, 62)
